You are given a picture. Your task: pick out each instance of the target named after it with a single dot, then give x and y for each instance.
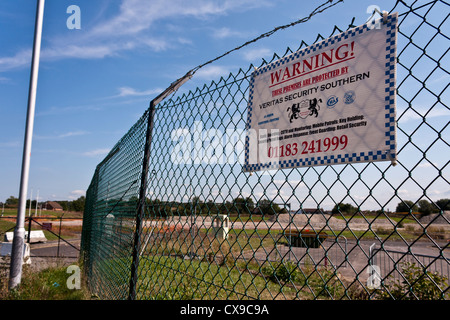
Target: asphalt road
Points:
(56, 249)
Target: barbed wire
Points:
(179, 82)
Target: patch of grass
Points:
(48, 284)
(175, 278)
(6, 225)
(415, 285)
(312, 281)
(12, 212)
(67, 232)
(371, 217)
(169, 277)
(381, 233)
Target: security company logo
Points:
(349, 97)
(331, 102)
(304, 109)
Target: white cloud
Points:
(403, 192)
(184, 41)
(151, 43)
(96, 152)
(444, 78)
(20, 59)
(439, 193)
(136, 16)
(61, 51)
(293, 183)
(257, 54)
(10, 144)
(227, 33)
(62, 135)
(419, 112)
(73, 133)
(75, 194)
(80, 51)
(139, 15)
(127, 91)
(427, 165)
(212, 72)
(129, 29)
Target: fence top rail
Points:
(421, 255)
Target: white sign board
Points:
(331, 103)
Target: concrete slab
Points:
(35, 236)
(6, 248)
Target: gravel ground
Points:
(311, 221)
(436, 218)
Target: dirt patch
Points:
(436, 218)
(326, 221)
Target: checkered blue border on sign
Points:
(391, 31)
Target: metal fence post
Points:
(29, 229)
(59, 234)
(142, 192)
(141, 206)
(371, 255)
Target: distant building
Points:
(52, 205)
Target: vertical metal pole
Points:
(19, 231)
(371, 258)
(290, 235)
(29, 206)
(191, 230)
(29, 229)
(141, 207)
(37, 199)
(59, 234)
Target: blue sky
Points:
(95, 82)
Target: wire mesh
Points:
(211, 231)
(109, 221)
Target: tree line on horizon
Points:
(423, 207)
(238, 205)
(67, 205)
(246, 206)
(196, 206)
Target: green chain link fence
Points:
(171, 215)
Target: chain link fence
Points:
(170, 214)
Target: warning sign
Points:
(330, 103)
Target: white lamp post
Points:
(19, 231)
